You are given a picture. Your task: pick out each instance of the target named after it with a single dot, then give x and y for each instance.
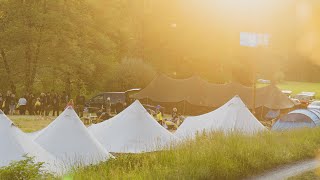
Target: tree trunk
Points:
(28, 57)
(8, 70)
(68, 84)
(35, 61)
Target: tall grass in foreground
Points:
(214, 156)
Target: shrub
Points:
(26, 169)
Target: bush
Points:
(26, 169)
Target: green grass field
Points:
(297, 87)
(34, 123)
(211, 157)
(31, 123)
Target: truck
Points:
(99, 100)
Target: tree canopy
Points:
(83, 46)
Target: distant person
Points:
(100, 111)
(55, 104)
(64, 99)
(124, 105)
(43, 104)
(70, 103)
(37, 106)
(80, 102)
(119, 106)
(108, 105)
(12, 104)
(102, 114)
(6, 103)
(175, 115)
(22, 104)
(48, 105)
(159, 116)
(30, 104)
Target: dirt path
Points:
(289, 170)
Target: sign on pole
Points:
(250, 39)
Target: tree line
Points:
(90, 46)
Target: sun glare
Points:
(303, 11)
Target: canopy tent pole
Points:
(254, 95)
(184, 107)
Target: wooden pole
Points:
(254, 96)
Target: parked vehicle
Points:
(305, 98)
(264, 81)
(309, 93)
(97, 101)
(314, 105)
(287, 92)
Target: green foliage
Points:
(130, 73)
(52, 45)
(298, 87)
(213, 156)
(26, 169)
(78, 46)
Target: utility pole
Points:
(255, 41)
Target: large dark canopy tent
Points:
(199, 92)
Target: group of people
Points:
(106, 110)
(42, 104)
(54, 103)
(172, 123)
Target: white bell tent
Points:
(15, 144)
(134, 130)
(233, 116)
(69, 140)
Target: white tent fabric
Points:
(33, 134)
(132, 131)
(233, 116)
(69, 140)
(14, 144)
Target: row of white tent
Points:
(233, 116)
(66, 142)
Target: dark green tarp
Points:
(199, 92)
